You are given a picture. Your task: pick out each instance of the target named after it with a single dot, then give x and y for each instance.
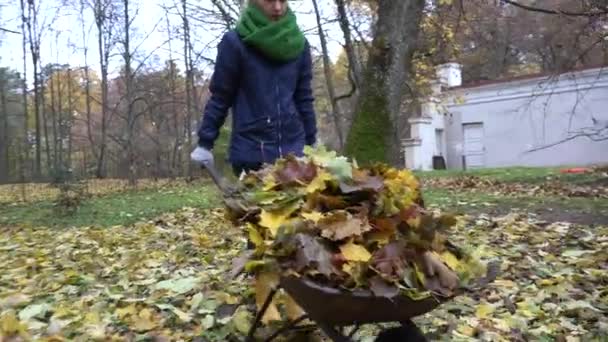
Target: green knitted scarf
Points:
(279, 40)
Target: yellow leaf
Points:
(292, 309)
(264, 283)
(201, 240)
(226, 298)
(269, 182)
(484, 310)
(315, 216)
(354, 252)
(130, 310)
(450, 260)
(242, 320)
(382, 237)
(144, 321)
(92, 318)
(145, 313)
(466, 330)
(10, 325)
(254, 235)
(185, 317)
(319, 183)
(272, 221)
(414, 222)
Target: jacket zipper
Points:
(280, 121)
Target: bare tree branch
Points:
(9, 31)
(555, 12)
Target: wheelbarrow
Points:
(332, 309)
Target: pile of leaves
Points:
(323, 217)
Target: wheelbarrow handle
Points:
(220, 181)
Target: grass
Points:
(579, 209)
(113, 209)
(126, 207)
(530, 175)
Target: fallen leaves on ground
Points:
(165, 280)
(553, 285)
(551, 187)
(32, 192)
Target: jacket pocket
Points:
(259, 129)
(292, 127)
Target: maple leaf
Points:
(312, 253)
(341, 225)
(362, 183)
(339, 167)
(354, 252)
(319, 183)
(272, 220)
(292, 171)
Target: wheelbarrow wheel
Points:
(407, 332)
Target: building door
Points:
(474, 148)
(439, 142)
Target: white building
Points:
(554, 120)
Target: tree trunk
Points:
(175, 170)
(60, 123)
(336, 112)
(24, 153)
(87, 80)
(103, 44)
(35, 53)
(129, 97)
(69, 122)
(54, 117)
(4, 138)
(189, 83)
(373, 136)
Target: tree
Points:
(10, 120)
(336, 113)
(34, 36)
(105, 16)
(373, 137)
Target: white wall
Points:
(522, 115)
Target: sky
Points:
(62, 42)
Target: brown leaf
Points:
(389, 261)
(341, 225)
(314, 254)
(238, 264)
(294, 172)
(321, 202)
(373, 184)
(382, 288)
(385, 224)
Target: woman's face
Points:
(274, 9)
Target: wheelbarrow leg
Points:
(260, 314)
(286, 328)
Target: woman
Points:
(263, 72)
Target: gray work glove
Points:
(201, 156)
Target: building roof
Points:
(476, 84)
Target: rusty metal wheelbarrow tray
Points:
(330, 308)
(345, 308)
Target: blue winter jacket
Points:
(272, 103)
